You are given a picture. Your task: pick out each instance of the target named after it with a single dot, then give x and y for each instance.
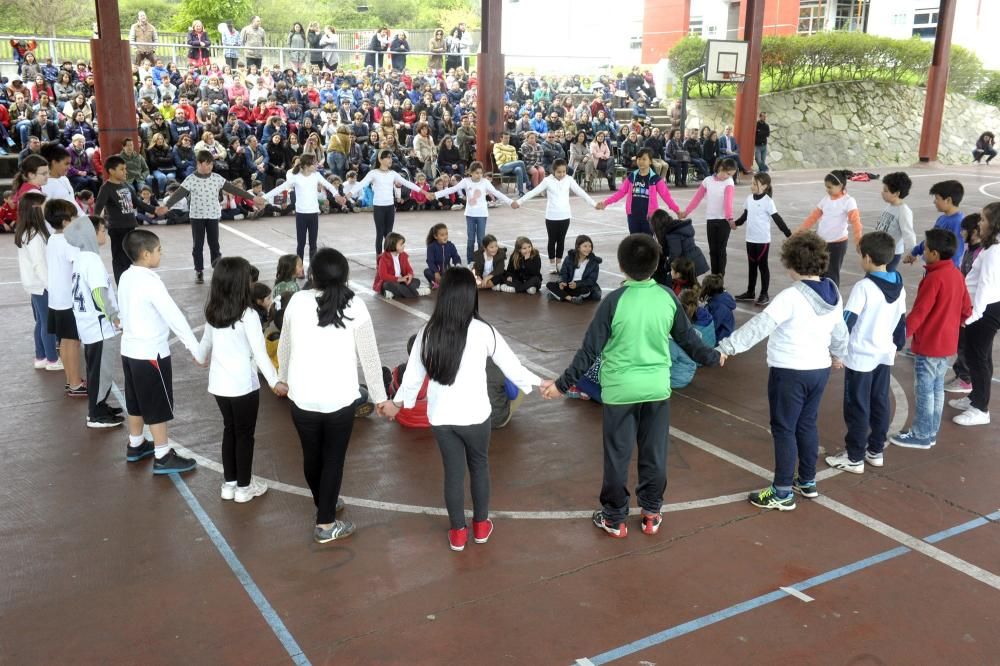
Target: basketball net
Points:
(735, 78)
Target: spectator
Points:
(314, 38)
(438, 46)
(601, 160)
(137, 170)
(579, 155)
(160, 160)
(552, 150)
(297, 43)
(677, 157)
(198, 43)
(377, 47)
(459, 44)
(230, 39)
(761, 135)
(728, 148)
(253, 37)
(142, 35)
(45, 129)
(329, 43)
(184, 159)
(399, 48)
(82, 172)
(984, 146)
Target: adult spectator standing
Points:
(253, 37)
(729, 148)
(314, 35)
(230, 39)
(761, 134)
(459, 43)
(984, 147)
(438, 46)
(399, 47)
(297, 42)
(329, 43)
(142, 35)
(198, 46)
(377, 47)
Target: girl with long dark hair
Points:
(325, 331)
(384, 181)
(452, 350)
(30, 237)
(306, 181)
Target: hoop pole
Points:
(748, 97)
(684, 95)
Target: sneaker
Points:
(341, 529)
(874, 459)
(340, 505)
(958, 386)
(238, 216)
(114, 411)
(972, 417)
(577, 300)
(255, 489)
(425, 291)
(549, 295)
(768, 499)
(40, 363)
(77, 391)
(105, 421)
(532, 291)
(651, 522)
(808, 489)
(172, 463)
(388, 295)
(364, 409)
(458, 538)
(908, 441)
(199, 277)
(498, 287)
(457, 206)
(762, 300)
(55, 366)
(843, 462)
(746, 296)
(554, 271)
(619, 531)
(137, 453)
(507, 289)
(961, 404)
(481, 530)
(227, 491)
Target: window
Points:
(812, 15)
(925, 23)
(695, 25)
(711, 31)
(635, 43)
(850, 15)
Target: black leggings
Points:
(385, 217)
(979, 355)
(400, 289)
(199, 229)
(461, 447)
(556, 230)
(306, 224)
(838, 250)
(324, 438)
(239, 423)
(521, 286)
(718, 238)
(757, 257)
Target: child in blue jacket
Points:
(720, 304)
(441, 253)
(578, 275)
(682, 366)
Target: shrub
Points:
(989, 92)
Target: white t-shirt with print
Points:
(89, 273)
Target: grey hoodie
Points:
(80, 233)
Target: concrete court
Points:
(102, 564)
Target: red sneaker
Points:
(458, 538)
(619, 531)
(481, 530)
(651, 523)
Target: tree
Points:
(212, 12)
(55, 15)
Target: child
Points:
(676, 240)
(948, 194)
(578, 277)
(178, 213)
(524, 270)
(235, 342)
(489, 264)
(557, 211)
(804, 325)
(117, 198)
(452, 350)
(364, 196)
(59, 256)
(758, 213)
(96, 312)
(441, 253)
(342, 203)
(720, 303)
(897, 218)
(981, 327)
(682, 275)
(146, 195)
(305, 180)
(876, 318)
(262, 301)
(286, 278)
(942, 304)
(148, 315)
(8, 212)
(204, 210)
(384, 181)
(393, 273)
(416, 416)
(682, 367)
(418, 200)
(630, 331)
(640, 189)
(30, 236)
(85, 201)
(719, 190)
(475, 188)
(835, 213)
(962, 383)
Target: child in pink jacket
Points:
(640, 190)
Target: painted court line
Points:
(795, 593)
(266, 610)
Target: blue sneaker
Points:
(910, 441)
(805, 488)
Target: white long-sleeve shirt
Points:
(320, 364)
(983, 281)
(148, 315)
(59, 256)
(237, 352)
(475, 195)
(32, 266)
(382, 183)
(557, 203)
(306, 191)
(60, 188)
(466, 401)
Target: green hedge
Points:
(791, 61)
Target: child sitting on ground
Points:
(8, 212)
(178, 213)
(286, 278)
(682, 275)
(720, 304)
(441, 253)
(393, 274)
(86, 201)
(682, 366)
(578, 276)
(261, 303)
(524, 270)
(489, 264)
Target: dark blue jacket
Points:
(721, 308)
(676, 241)
(590, 273)
(440, 256)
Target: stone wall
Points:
(854, 124)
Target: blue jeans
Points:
(517, 168)
(160, 179)
(760, 156)
(639, 226)
(45, 342)
(928, 393)
(794, 397)
(475, 228)
(337, 163)
(23, 128)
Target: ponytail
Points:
(304, 161)
(29, 166)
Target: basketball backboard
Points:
(725, 61)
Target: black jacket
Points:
(677, 240)
(499, 264)
(590, 273)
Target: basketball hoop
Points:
(733, 77)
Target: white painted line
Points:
(791, 591)
(583, 661)
(982, 190)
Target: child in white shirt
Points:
(758, 214)
(384, 181)
(306, 181)
(59, 256)
(475, 188)
(896, 218)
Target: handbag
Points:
(602, 165)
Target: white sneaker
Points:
(255, 489)
(227, 492)
(423, 291)
(532, 291)
(57, 366)
(874, 459)
(238, 217)
(457, 207)
(958, 386)
(843, 462)
(40, 363)
(388, 296)
(507, 289)
(960, 403)
(972, 417)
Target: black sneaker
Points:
(105, 421)
(114, 411)
(173, 464)
(137, 453)
(77, 391)
(199, 277)
(746, 296)
(762, 300)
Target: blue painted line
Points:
(241, 573)
(770, 597)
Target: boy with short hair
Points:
(59, 257)
(96, 312)
(148, 315)
(805, 328)
(8, 212)
(631, 331)
(947, 195)
(876, 318)
(896, 218)
(941, 306)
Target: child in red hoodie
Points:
(394, 275)
(8, 212)
(937, 314)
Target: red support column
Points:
(937, 83)
(113, 83)
(745, 125)
(489, 94)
